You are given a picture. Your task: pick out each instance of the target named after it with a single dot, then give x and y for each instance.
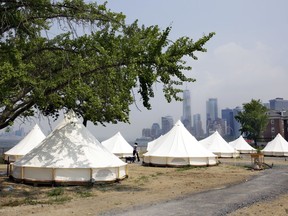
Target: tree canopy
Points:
(253, 119)
(70, 54)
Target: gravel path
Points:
(267, 185)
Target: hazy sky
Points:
(245, 59)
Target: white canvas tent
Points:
(70, 155)
(276, 147)
(151, 144)
(30, 141)
(216, 144)
(118, 146)
(179, 148)
(242, 146)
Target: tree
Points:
(47, 64)
(253, 119)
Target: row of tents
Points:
(72, 154)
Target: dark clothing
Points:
(135, 153)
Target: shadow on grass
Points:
(118, 188)
(188, 167)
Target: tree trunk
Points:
(255, 143)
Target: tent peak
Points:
(178, 123)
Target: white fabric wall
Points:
(247, 151)
(273, 153)
(16, 172)
(38, 174)
(227, 155)
(77, 174)
(32, 173)
(172, 161)
(203, 161)
(68, 174)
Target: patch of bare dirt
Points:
(279, 206)
(144, 185)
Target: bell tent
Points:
(276, 147)
(178, 148)
(216, 144)
(242, 146)
(118, 146)
(152, 143)
(70, 154)
(30, 141)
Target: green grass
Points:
(56, 192)
(32, 201)
(157, 174)
(188, 167)
(84, 193)
(59, 200)
(54, 196)
(142, 179)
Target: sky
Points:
(245, 60)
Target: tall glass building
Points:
(211, 115)
(186, 117)
(228, 116)
(197, 124)
(212, 109)
(167, 124)
(278, 104)
(155, 130)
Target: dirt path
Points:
(222, 201)
(150, 185)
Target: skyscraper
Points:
(228, 117)
(167, 124)
(212, 109)
(186, 117)
(211, 115)
(155, 130)
(197, 125)
(278, 104)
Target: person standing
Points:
(135, 152)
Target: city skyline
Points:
(245, 60)
(225, 123)
(43, 123)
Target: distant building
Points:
(211, 115)
(155, 130)
(228, 117)
(20, 132)
(212, 109)
(186, 117)
(197, 126)
(277, 120)
(143, 141)
(146, 132)
(278, 104)
(218, 125)
(167, 124)
(9, 132)
(278, 123)
(267, 105)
